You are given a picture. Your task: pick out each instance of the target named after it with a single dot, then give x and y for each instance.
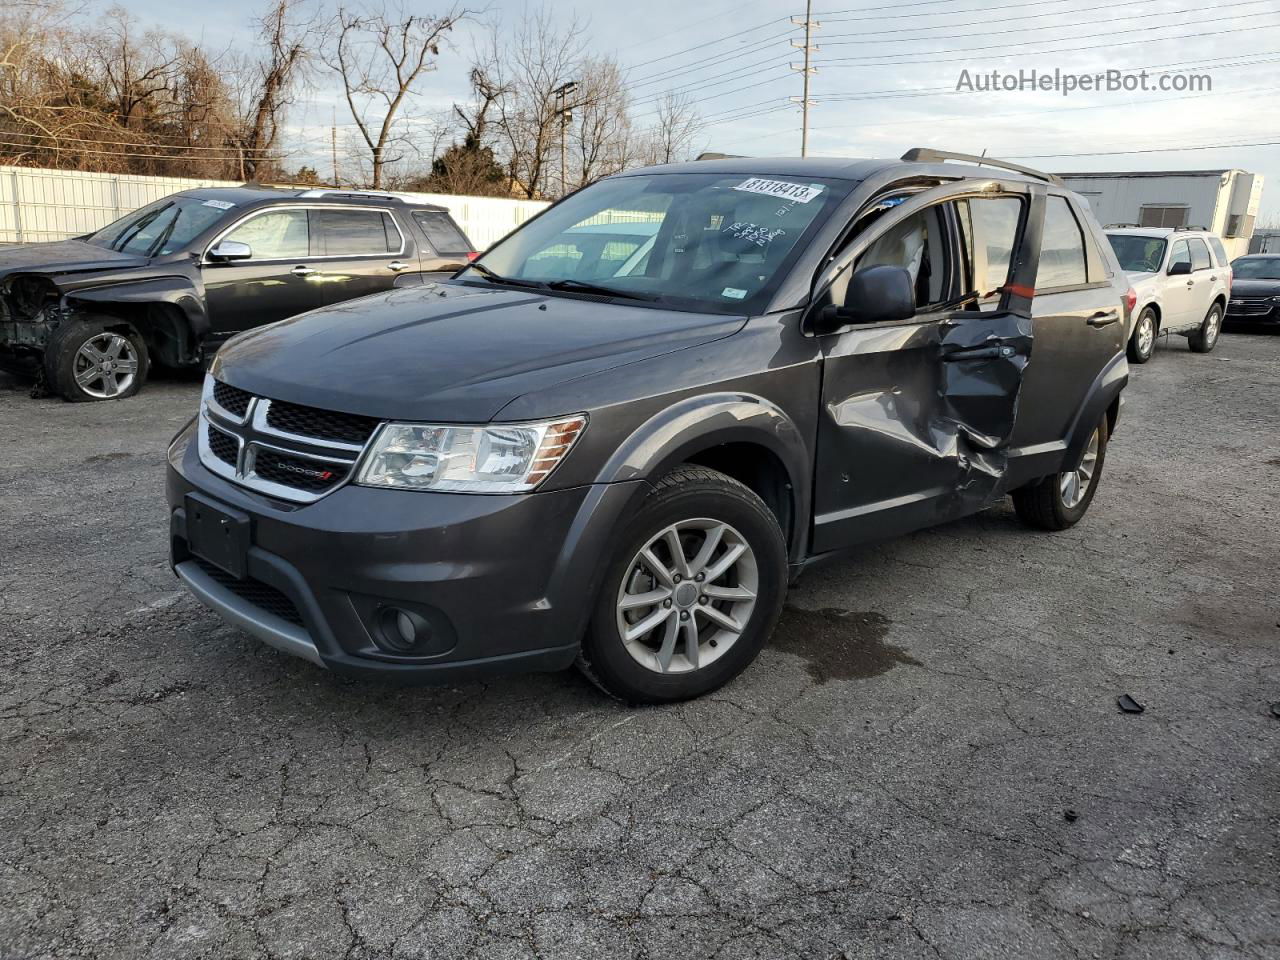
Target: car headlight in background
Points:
(497, 458)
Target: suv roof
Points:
(1135, 230)
(931, 161)
(256, 193)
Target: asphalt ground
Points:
(928, 761)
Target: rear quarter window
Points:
(441, 232)
(1063, 262)
(1219, 251)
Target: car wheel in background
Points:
(1206, 338)
(691, 594)
(1143, 341)
(1060, 500)
(96, 359)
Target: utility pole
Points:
(807, 46)
(565, 112)
(333, 145)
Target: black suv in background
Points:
(616, 452)
(173, 280)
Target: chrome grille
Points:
(1250, 306)
(281, 449)
(322, 424)
(231, 398)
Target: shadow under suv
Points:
(617, 452)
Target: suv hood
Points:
(449, 352)
(62, 256)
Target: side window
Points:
(1180, 254)
(355, 233)
(916, 244)
(277, 235)
(1199, 255)
(1219, 251)
(441, 232)
(989, 227)
(1062, 256)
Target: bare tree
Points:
(602, 134)
(528, 66)
(380, 58)
(675, 130)
(290, 32)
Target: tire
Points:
(654, 665)
(1142, 343)
(117, 349)
(1046, 505)
(1206, 338)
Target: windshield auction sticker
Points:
(799, 192)
(219, 204)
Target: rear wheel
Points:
(692, 593)
(1060, 500)
(1143, 341)
(96, 359)
(1206, 338)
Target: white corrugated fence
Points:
(37, 205)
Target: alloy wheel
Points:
(105, 366)
(1212, 326)
(1074, 484)
(687, 596)
(1146, 335)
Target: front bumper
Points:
(505, 583)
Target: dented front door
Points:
(917, 416)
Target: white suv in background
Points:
(1183, 280)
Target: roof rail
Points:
(1191, 226)
(363, 195)
(928, 155)
(1121, 226)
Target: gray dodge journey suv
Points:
(615, 437)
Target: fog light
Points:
(402, 631)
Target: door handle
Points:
(397, 265)
(979, 353)
(1104, 318)
(302, 271)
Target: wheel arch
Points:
(166, 312)
(743, 436)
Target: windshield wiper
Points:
(585, 287)
(489, 275)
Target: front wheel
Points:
(96, 359)
(1061, 499)
(1206, 338)
(1143, 342)
(692, 593)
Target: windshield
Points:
(689, 240)
(162, 227)
(1263, 268)
(1138, 254)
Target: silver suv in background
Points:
(1183, 280)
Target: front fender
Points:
(695, 424)
(176, 291)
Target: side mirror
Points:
(231, 250)
(878, 294)
(1179, 269)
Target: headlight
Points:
(499, 458)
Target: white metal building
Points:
(1223, 201)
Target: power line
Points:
(1120, 153)
(143, 156)
(846, 61)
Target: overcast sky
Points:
(887, 76)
